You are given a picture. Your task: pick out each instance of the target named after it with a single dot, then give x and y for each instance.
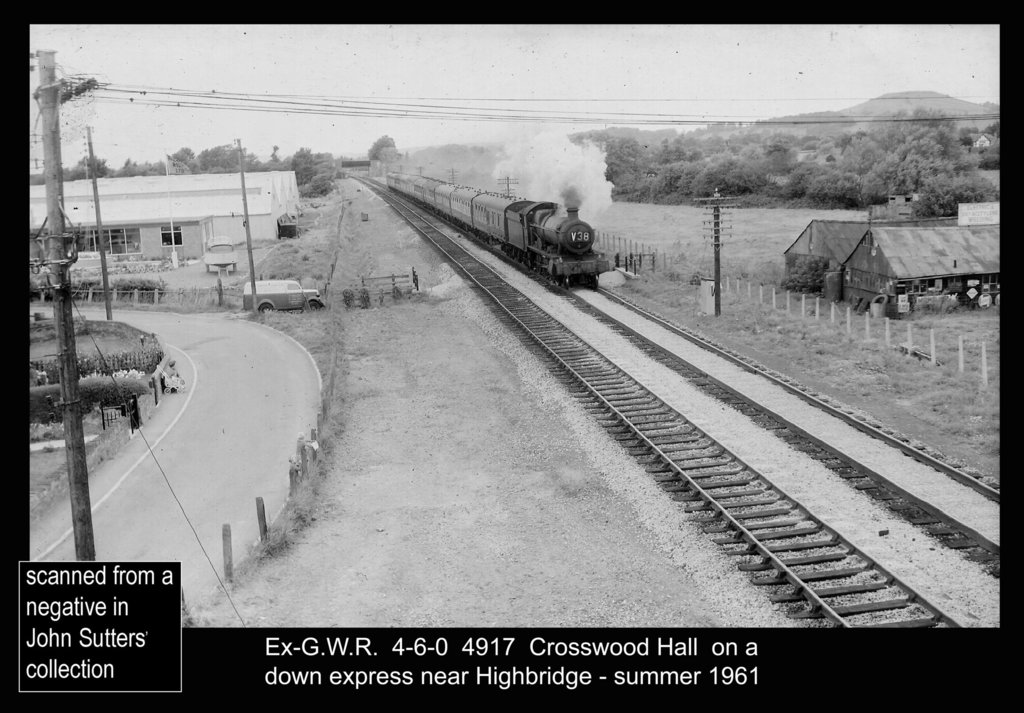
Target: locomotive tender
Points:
(534, 233)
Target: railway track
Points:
(811, 570)
(943, 527)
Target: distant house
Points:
(983, 141)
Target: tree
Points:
(303, 165)
(941, 196)
(383, 149)
(83, 170)
(224, 157)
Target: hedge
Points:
(145, 360)
(93, 391)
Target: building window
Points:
(167, 239)
(120, 241)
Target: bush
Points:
(92, 391)
(145, 360)
(807, 274)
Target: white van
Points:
(281, 294)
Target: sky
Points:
(588, 76)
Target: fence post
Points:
(787, 301)
(816, 302)
(849, 322)
(226, 539)
(760, 294)
(726, 283)
(261, 518)
(89, 298)
(135, 298)
(748, 289)
(910, 340)
(984, 366)
(931, 343)
(960, 349)
(832, 312)
(773, 299)
(803, 305)
(220, 293)
(300, 449)
(156, 389)
(887, 343)
(867, 326)
(156, 297)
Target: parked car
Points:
(281, 294)
(220, 254)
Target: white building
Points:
(138, 213)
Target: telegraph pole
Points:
(61, 252)
(509, 182)
(716, 203)
(99, 227)
(248, 234)
(452, 173)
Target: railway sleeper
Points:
(731, 483)
(796, 595)
(785, 509)
(847, 609)
(711, 471)
(670, 441)
(770, 524)
(921, 623)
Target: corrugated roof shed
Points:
(928, 252)
(837, 239)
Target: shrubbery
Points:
(142, 284)
(806, 274)
(145, 360)
(93, 391)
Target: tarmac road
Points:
(218, 446)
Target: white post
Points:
(887, 342)
(748, 289)
(803, 305)
(773, 299)
(816, 301)
(832, 311)
(760, 294)
(867, 326)
(984, 366)
(910, 339)
(787, 301)
(849, 322)
(931, 343)
(960, 349)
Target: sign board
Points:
(972, 293)
(978, 214)
(985, 300)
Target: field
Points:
(953, 412)
(752, 246)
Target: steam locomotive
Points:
(535, 233)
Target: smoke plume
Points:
(549, 167)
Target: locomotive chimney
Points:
(573, 211)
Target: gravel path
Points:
(466, 488)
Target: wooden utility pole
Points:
(508, 182)
(248, 234)
(59, 262)
(452, 172)
(99, 227)
(717, 203)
